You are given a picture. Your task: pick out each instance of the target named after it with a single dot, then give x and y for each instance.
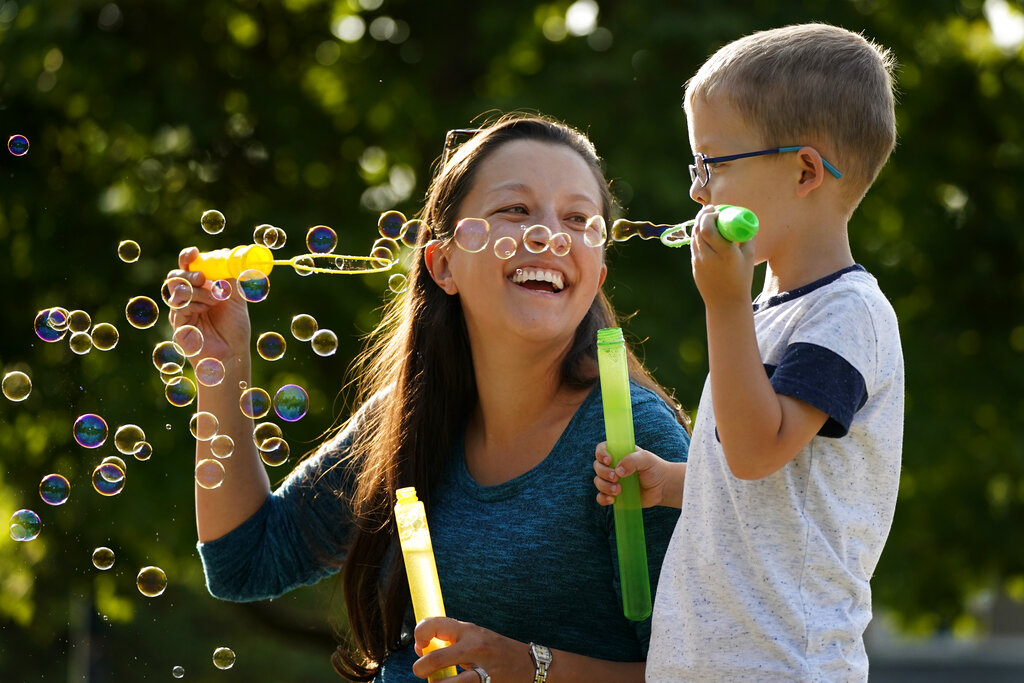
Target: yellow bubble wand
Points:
(232, 263)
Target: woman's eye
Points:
(513, 209)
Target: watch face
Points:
(541, 654)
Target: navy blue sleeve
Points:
(824, 379)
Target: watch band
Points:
(541, 657)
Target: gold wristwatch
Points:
(541, 657)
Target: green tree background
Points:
(142, 115)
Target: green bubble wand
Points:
(735, 224)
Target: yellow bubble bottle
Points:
(418, 553)
(224, 264)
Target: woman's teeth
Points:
(524, 275)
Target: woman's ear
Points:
(812, 171)
(435, 258)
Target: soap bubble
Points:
(54, 489)
(253, 285)
(25, 525)
(223, 658)
(303, 327)
(16, 385)
(141, 312)
(168, 358)
(265, 431)
(221, 290)
(560, 244)
(104, 336)
(79, 321)
(180, 391)
(210, 372)
(505, 247)
(390, 224)
(414, 232)
(324, 342)
(189, 340)
(321, 239)
(108, 478)
(57, 318)
(257, 234)
(17, 145)
(129, 251)
(270, 346)
(127, 438)
(212, 221)
(209, 473)
(291, 402)
(398, 283)
(176, 292)
(222, 446)
(274, 451)
(45, 329)
(80, 343)
(254, 403)
(103, 558)
(536, 238)
(144, 451)
(595, 233)
(303, 265)
(114, 476)
(204, 425)
(472, 234)
(178, 672)
(274, 238)
(152, 581)
(90, 430)
(384, 248)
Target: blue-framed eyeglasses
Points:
(700, 169)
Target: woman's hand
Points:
(505, 660)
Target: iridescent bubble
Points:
(176, 292)
(274, 451)
(44, 328)
(223, 658)
(536, 238)
(595, 233)
(291, 402)
(212, 221)
(178, 672)
(398, 283)
(16, 386)
(129, 251)
(505, 247)
(274, 238)
(390, 224)
(415, 232)
(25, 525)
(265, 431)
(103, 558)
(168, 358)
(383, 248)
(127, 438)
(561, 243)
(108, 479)
(324, 342)
(222, 446)
(141, 312)
(58, 318)
(189, 340)
(253, 285)
(144, 451)
(303, 327)
(152, 581)
(168, 377)
(472, 234)
(54, 489)
(270, 346)
(221, 290)
(209, 473)
(259, 232)
(79, 321)
(254, 403)
(80, 343)
(180, 391)
(303, 265)
(104, 336)
(321, 239)
(204, 425)
(210, 372)
(17, 145)
(90, 431)
(114, 476)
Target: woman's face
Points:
(539, 297)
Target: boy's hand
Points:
(661, 483)
(722, 270)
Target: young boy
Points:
(794, 465)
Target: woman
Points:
(479, 388)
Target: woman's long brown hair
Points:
(416, 369)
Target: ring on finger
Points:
(484, 676)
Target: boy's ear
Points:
(812, 171)
(435, 258)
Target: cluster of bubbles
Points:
(473, 235)
(322, 340)
(17, 145)
(56, 323)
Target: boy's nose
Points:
(699, 194)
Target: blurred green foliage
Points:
(141, 115)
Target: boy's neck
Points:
(807, 256)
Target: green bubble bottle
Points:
(418, 553)
(628, 513)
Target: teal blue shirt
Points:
(532, 558)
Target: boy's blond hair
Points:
(810, 84)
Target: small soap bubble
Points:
(561, 243)
(291, 402)
(222, 446)
(270, 346)
(168, 377)
(390, 224)
(254, 403)
(505, 247)
(58, 318)
(383, 248)
(144, 451)
(259, 232)
(537, 238)
(16, 386)
(54, 489)
(104, 336)
(79, 321)
(221, 290)
(127, 438)
(265, 431)
(212, 221)
(141, 312)
(90, 430)
(189, 340)
(180, 391)
(108, 479)
(204, 425)
(17, 145)
(80, 343)
(242, 385)
(472, 234)
(303, 265)
(324, 342)
(274, 451)
(152, 581)
(25, 525)
(223, 658)
(103, 558)
(321, 239)
(209, 473)
(415, 232)
(129, 251)
(115, 460)
(274, 238)
(398, 283)
(176, 292)
(178, 672)
(595, 233)
(44, 328)
(253, 285)
(168, 358)
(304, 326)
(210, 372)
